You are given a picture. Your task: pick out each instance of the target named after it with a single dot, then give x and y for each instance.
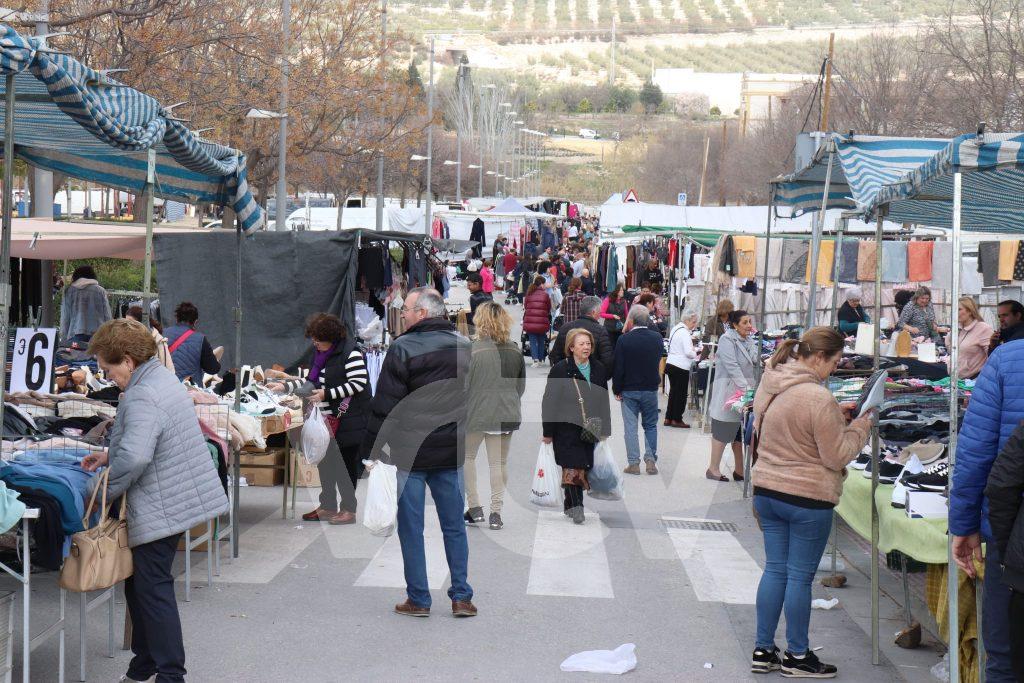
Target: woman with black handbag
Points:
(577, 414)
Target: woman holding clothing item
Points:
(734, 371)
(337, 384)
(497, 380)
(537, 319)
(681, 357)
(577, 386)
(806, 441)
(613, 312)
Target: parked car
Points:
(589, 134)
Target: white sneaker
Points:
(899, 491)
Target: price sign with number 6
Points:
(32, 365)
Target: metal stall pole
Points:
(875, 446)
(837, 251)
(236, 465)
(748, 456)
(147, 277)
(954, 408)
(812, 264)
(5, 247)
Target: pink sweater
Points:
(487, 275)
(974, 341)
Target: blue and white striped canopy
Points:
(911, 180)
(71, 119)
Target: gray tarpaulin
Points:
(286, 277)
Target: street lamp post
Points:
(430, 140)
(282, 152)
(458, 132)
(480, 135)
(380, 153)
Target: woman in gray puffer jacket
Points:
(159, 459)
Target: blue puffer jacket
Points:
(995, 410)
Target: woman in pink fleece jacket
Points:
(804, 446)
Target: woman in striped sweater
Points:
(338, 384)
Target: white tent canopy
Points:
(42, 238)
(396, 219)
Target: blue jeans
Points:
(645, 405)
(537, 345)
(446, 490)
(995, 620)
(794, 540)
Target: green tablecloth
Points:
(922, 539)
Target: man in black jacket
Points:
(417, 411)
(635, 383)
(590, 309)
(477, 295)
(1011, 323)
(1004, 490)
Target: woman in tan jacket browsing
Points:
(805, 443)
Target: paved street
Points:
(307, 602)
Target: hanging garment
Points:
(970, 278)
(919, 261)
(894, 261)
(1018, 263)
(477, 235)
(867, 261)
(1007, 258)
(727, 261)
(759, 252)
(988, 263)
(794, 260)
(942, 265)
(848, 260)
(826, 263)
(774, 248)
(745, 251)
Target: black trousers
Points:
(156, 627)
(678, 385)
(1017, 633)
(573, 496)
(339, 471)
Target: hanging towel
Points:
(988, 263)
(848, 260)
(1018, 263)
(774, 248)
(1007, 258)
(867, 261)
(919, 261)
(970, 278)
(745, 249)
(894, 261)
(942, 266)
(759, 252)
(826, 263)
(794, 260)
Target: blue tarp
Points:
(71, 119)
(912, 179)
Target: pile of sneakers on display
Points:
(918, 473)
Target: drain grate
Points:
(699, 525)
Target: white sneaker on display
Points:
(899, 491)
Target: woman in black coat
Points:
(578, 376)
(338, 384)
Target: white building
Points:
(749, 94)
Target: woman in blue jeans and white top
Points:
(806, 441)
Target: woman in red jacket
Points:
(537, 319)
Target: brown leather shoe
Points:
(463, 608)
(632, 469)
(651, 467)
(343, 517)
(318, 515)
(410, 610)
(679, 424)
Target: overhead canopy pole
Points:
(812, 264)
(954, 409)
(836, 252)
(5, 244)
(147, 285)
(875, 447)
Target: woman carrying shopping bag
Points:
(158, 458)
(497, 380)
(577, 414)
(804, 442)
(338, 385)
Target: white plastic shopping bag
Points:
(316, 437)
(381, 498)
(618, 661)
(605, 476)
(546, 490)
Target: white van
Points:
(589, 134)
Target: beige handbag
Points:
(100, 556)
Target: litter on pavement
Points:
(618, 661)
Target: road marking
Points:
(264, 550)
(720, 569)
(569, 560)
(386, 569)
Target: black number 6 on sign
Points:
(35, 368)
